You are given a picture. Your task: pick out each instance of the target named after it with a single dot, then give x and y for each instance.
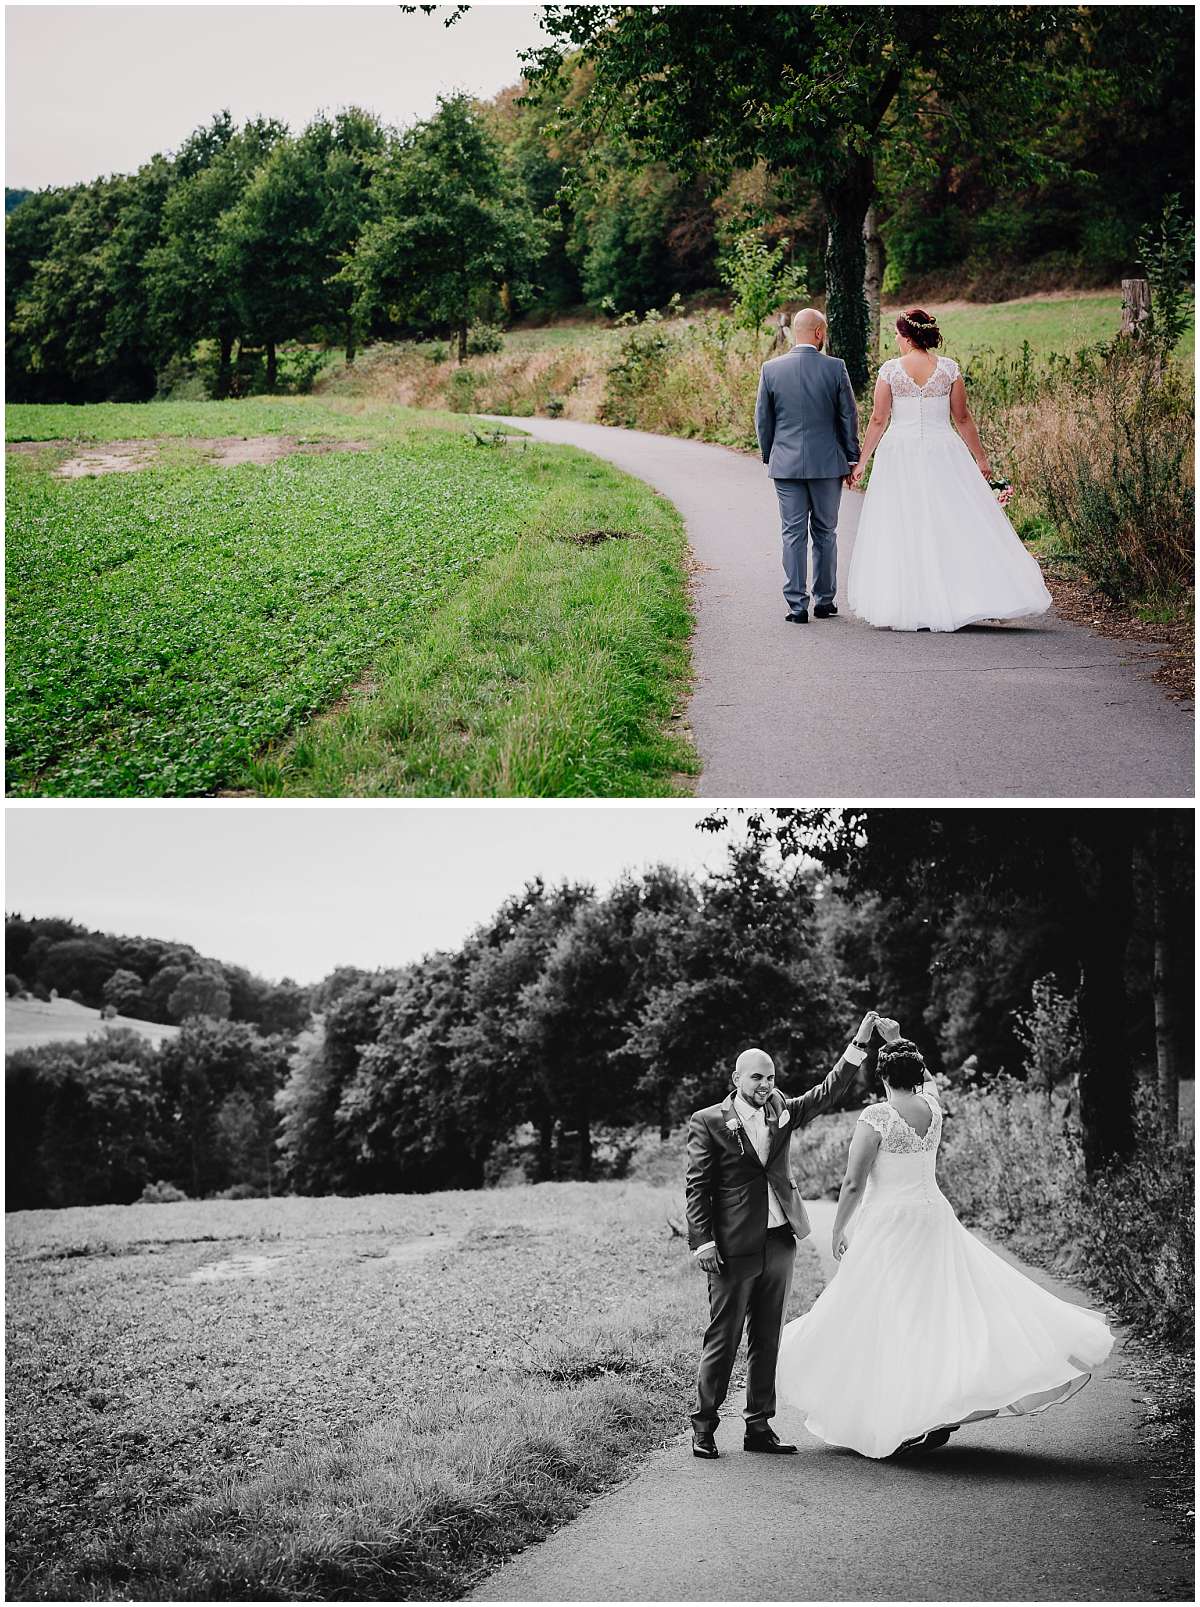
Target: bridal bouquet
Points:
(1003, 490)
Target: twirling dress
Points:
(923, 1326)
(934, 549)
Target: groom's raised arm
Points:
(764, 417)
(828, 1095)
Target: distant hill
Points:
(13, 198)
(29, 1023)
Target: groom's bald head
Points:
(808, 327)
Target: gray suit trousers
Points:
(809, 507)
(750, 1292)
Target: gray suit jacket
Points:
(727, 1183)
(806, 418)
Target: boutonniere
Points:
(733, 1124)
(784, 1117)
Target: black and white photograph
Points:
(386, 1208)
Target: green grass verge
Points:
(167, 626)
(394, 1394)
(1062, 324)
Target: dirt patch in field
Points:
(238, 1266)
(125, 457)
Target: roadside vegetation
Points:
(503, 618)
(434, 1382)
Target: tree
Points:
(200, 993)
(191, 284)
(206, 1064)
(1078, 863)
(759, 279)
(124, 991)
(453, 228)
(818, 92)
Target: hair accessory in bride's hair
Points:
(917, 323)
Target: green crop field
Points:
(1062, 324)
(172, 629)
(303, 1399)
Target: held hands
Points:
(839, 1246)
(867, 1025)
(855, 478)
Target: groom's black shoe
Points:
(703, 1444)
(825, 611)
(770, 1442)
(800, 617)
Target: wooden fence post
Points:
(1135, 307)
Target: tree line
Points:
(643, 142)
(1054, 949)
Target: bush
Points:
(483, 339)
(438, 352)
(242, 1191)
(554, 406)
(13, 986)
(1010, 1162)
(161, 1193)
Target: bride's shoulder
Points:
(877, 1116)
(949, 365)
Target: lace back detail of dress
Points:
(896, 1135)
(939, 383)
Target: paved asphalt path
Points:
(1048, 1508)
(837, 709)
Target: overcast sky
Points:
(295, 891)
(93, 90)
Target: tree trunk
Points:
(462, 341)
(545, 1160)
(272, 366)
(873, 284)
(1135, 307)
(846, 204)
(225, 365)
(585, 1146)
(1165, 1042)
(1105, 1075)
(351, 348)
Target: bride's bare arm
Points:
(863, 1148)
(965, 424)
(881, 411)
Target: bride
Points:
(934, 550)
(922, 1328)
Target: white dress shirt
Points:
(754, 1120)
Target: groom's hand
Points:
(711, 1260)
(866, 1026)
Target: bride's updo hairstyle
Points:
(901, 1065)
(920, 327)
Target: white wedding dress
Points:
(923, 1326)
(934, 549)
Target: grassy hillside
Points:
(30, 1022)
(368, 1399)
(176, 621)
(561, 368)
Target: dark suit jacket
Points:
(806, 417)
(726, 1181)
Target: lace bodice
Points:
(896, 1136)
(939, 383)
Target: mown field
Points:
(171, 630)
(29, 1022)
(363, 1399)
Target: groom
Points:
(744, 1217)
(807, 425)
